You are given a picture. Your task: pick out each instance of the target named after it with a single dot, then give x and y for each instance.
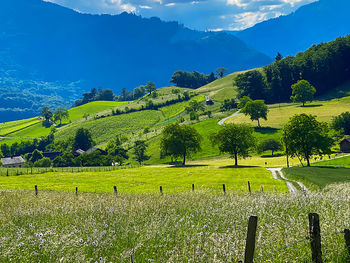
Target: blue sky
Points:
(196, 14)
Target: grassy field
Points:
(14, 126)
(93, 108)
(59, 227)
(148, 179)
(107, 128)
(279, 115)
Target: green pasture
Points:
(34, 131)
(14, 126)
(92, 108)
(148, 179)
(280, 114)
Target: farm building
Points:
(91, 150)
(208, 100)
(13, 162)
(345, 145)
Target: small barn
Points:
(345, 145)
(208, 100)
(94, 149)
(13, 162)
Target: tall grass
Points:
(191, 227)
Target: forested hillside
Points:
(325, 66)
(69, 52)
(321, 21)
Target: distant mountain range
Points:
(74, 52)
(314, 23)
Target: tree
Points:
(140, 151)
(302, 91)
(150, 87)
(252, 84)
(82, 139)
(270, 145)
(36, 156)
(220, 72)
(5, 149)
(61, 114)
(278, 56)
(106, 95)
(256, 109)
(235, 139)
(341, 123)
(195, 106)
(180, 141)
(46, 112)
(44, 162)
(116, 151)
(304, 136)
(243, 101)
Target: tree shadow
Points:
(272, 156)
(238, 166)
(266, 130)
(311, 106)
(187, 165)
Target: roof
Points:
(79, 151)
(12, 160)
(345, 140)
(94, 149)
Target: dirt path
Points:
(221, 122)
(290, 185)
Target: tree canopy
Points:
(61, 114)
(46, 112)
(302, 91)
(192, 80)
(180, 141)
(235, 139)
(82, 139)
(256, 110)
(304, 136)
(140, 148)
(270, 145)
(342, 123)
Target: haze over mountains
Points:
(50, 55)
(42, 41)
(314, 23)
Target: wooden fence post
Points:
(115, 190)
(76, 191)
(262, 188)
(161, 190)
(36, 190)
(224, 188)
(192, 187)
(315, 237)
(250, 191)
(347, 238)
(251, 237)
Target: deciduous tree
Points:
(302, 91)
(256, 110)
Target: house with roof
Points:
(91, 150)
(13, 162)
(345, 145)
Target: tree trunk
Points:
(184, 161)
(236, 160)
(272, 153)
(303, 104)
(308, 161)
(258, 123)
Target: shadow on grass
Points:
(311, 106)
(187, 165)
(237, 167)
(272, 156)
(330, 167)
(266, 130)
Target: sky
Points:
(213, 15)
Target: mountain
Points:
(314, 23)
(68, 52)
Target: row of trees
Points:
(303, 137)
(191, 80)
(324, 66)
(58, 115)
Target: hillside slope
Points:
(314, 23)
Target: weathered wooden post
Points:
(251, 237)
(315, 237)
(76, 191)
(224, 188)
(161, 190)
(192, 187)
(262, 188)
(347, 239)
(36, 190)
(115, 190)
(250, 191)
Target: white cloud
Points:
(197, 14)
